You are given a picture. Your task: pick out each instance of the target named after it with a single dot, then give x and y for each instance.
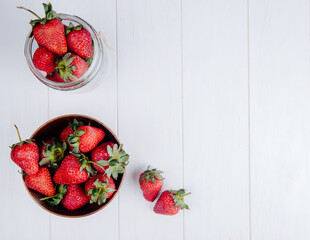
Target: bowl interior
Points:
(53, 128)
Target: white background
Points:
(214, 93)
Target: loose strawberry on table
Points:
(49, 31)
(44, 60)
(99, 188)
(26, 155)
(151, 182)
(41, 182)
(170, 202)
(79, 41)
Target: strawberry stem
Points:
(20, 7)
(45, 198)
(96, 164)
(18, 133)
(186, 194)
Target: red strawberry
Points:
(85, 138)
(69, 171)
(80, 41)
(99, 188)
(41, 182)
(71, 67)
(151, 182)
(70, 129)
(101, 153)
(54, 77)
(49, 32)
(26, 155)
(75, 197)
(170, 202)
(118, 160)
(44, 60)
(52, 152)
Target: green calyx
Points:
(65, 68)
(20, 143)
(117, 161)
(71, 27)
(178, 198)
(86, 163)
(49, 14)
(74, 139)
(151, 174)
(99, 192)
(56, 199)
(53, 153)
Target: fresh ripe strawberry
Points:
(71, 67)
(101, 153)
(75, 197)
(49, 32)
(70, 129)
(41, 182)
(52, 152)
(151, 182)
(69, 171)
(170, 202)
(118, 160)
(99, 188)
(80, 41)
(26, 155)
(54, 77)
(85, 138)
(44, 60)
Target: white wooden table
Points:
(214, 93)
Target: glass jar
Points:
(97, 65)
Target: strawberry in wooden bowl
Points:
(63, 51)
(63, 179)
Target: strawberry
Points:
(151, 182)
(54, 77)
(79, 41)
(41, 182)
(75, 197)
(26, 155)
(44, 60)
(49, 31)
(85, 138)
(52, 152)
(99, 188)
(118, 160)
(71, 67)
(70, 129)
(101, 153)
(70, 172)
(170, 202)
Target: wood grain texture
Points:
(215, 101)
(149, 80)
(280, 116)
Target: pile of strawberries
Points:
(74, 169)
(64, 52)
(170, 201)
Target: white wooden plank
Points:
(23, 102)
(215, 86)
(149, 80)
(100, 103)
(280, 116)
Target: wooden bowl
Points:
(53, 128)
